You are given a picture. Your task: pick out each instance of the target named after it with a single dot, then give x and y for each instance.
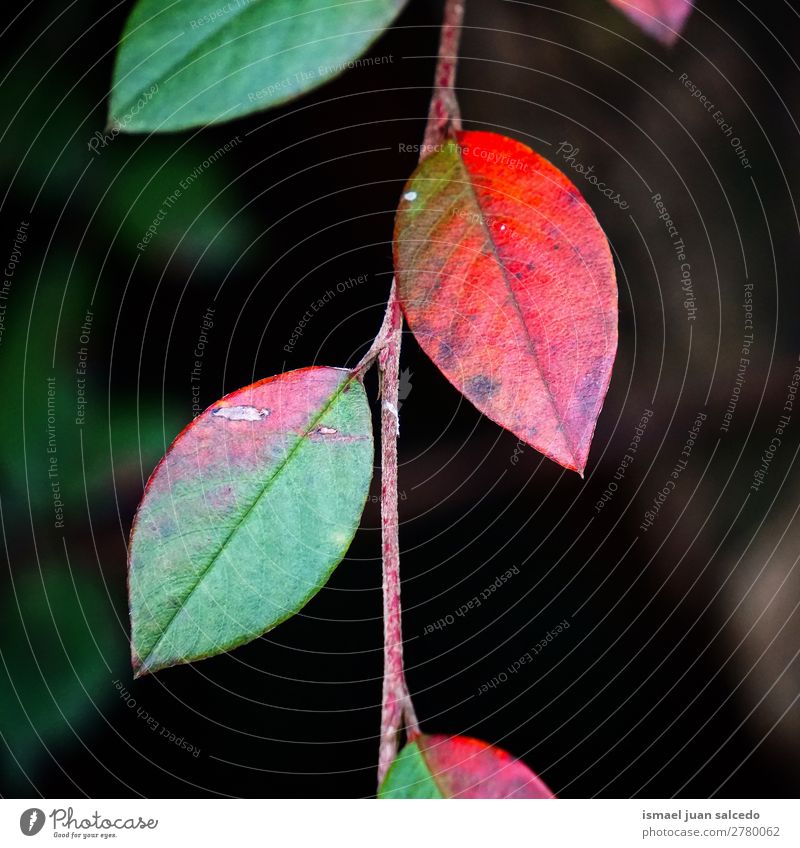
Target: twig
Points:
(396, 698)
(382, 339)
(397, 710)
(444, 111)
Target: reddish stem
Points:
(444, 111)
(397, 710)
(396, 698)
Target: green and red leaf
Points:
(247, 515)
(508, 284)
(662, 19)
(459, 767)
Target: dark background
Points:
(678, 674)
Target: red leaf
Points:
(507, 282)
(468, 768)
(662, 19)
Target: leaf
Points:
(662, 19)
(247, 515)
(194, 62)
(507, 282)
(459, 767)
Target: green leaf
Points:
(409, 776)
(247, 515)
(193, 62)
(459, 767)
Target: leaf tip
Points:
(139, 668)
(665, 25)
(112, 122)
(667, 37)
(115, 127)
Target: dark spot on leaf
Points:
(445, 355)
(481, 387)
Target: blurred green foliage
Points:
(63, 646)
(44, 446)
(117, 185)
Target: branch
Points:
(396, 698)
(397, 708)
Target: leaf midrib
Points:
(267, 486)
(517, 308)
